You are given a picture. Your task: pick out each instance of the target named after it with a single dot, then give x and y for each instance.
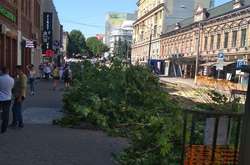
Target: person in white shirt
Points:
(47, 71)
(6, 86)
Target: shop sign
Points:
(6, 13)
(30, 44)
(49, 53)
(56, 44)
(47, 34)
(220, 61)
(241, 62)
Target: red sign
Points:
(100, 37)
(49, 53)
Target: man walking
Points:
(19, 92)
(6, 85)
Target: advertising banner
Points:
(47, 32)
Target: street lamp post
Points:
(198, 54)
(150, 44)
(245, 136)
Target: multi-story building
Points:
(65, 41)
(19, 25)
(203, 38)
(8, 33)
(52, 32)
(154, 17)
(121, 34)
(114, 23)
(29, 30)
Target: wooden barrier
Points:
(224, 85)
(201, 155)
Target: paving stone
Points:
(41, 143)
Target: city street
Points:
(139, 82)
(41, 143)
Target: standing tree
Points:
(77, 43)
(122, 49)
(96, 47)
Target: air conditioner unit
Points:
(3, 29)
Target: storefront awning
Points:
(208, 64)
(184, 60)
(225, 63)
(215, 63)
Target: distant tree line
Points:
(78, 45)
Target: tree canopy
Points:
(96, 47)
(122, 49)
(77, 43)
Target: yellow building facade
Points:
(154, 17)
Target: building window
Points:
(218, 41)
(234, 39)
(142, 36)
(205, 44)
(243, 37)
(226, 40)
(155, 30)
(212, 43)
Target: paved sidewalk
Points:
(41, 143)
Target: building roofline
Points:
(148, 13)
(204, 21)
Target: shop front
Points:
(225, 75)
(8, 36)
(180, 66)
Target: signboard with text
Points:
(47, 33)
(241, 62)
(220, 61)
(7, 14)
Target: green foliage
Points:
(218, 98)
(221, 102)
(96, 46)
(76, 44)
(129, 102)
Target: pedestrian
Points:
(61, 70)
(6, 85)
(41, 67)
(56, 77)
(32, 78)
(47, 71)
(67, 76)
(19, 93)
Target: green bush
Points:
(127, 101)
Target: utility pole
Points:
(244, 157)
(198, 38)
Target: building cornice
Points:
(232, 13)
(148, 13)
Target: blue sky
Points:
(89, 15)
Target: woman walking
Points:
(56, 77)
(32, 77)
